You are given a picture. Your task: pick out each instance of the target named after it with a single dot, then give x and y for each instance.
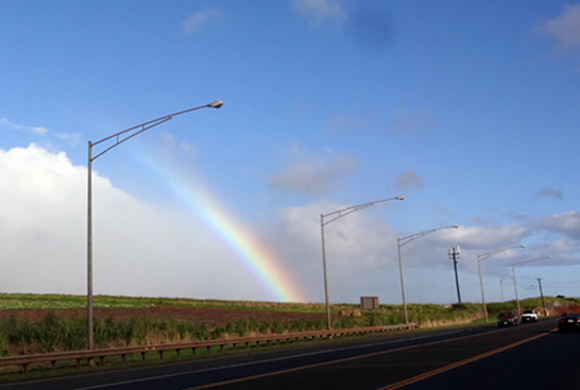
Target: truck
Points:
(529, 316)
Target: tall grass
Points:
(58, 333)
(55, 301)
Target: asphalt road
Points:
(472, 358)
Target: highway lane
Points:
(388, 368)
(362, 364)
(549, 362)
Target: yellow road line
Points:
(457, 364)
(232, 381)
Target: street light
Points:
(118, 138)
(516, 265)
(482, 257)
(338, 214)
(404, 241)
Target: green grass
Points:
(54, 301)
(56, 333)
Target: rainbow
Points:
(254, 256)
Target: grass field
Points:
(55, 331)
(53, 301)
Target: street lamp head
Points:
(402, 197)
(216, 104)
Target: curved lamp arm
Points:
(492, 253)
(405, 240)
(349, 210)
(138, 129)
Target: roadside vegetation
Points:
(59, 333)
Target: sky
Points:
(468, 109)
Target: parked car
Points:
(569, 322)
(507, 318)
(529, 316)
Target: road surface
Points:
(531, 356)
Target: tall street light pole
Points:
(404, 241)
(482, 257)
(118, 139)
(516, 265)
(336, 215)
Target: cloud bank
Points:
(143, 249)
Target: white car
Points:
(529, 316)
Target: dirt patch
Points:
(562, 309)
(210, 316)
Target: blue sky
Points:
(469, 110)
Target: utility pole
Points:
(501, 289)
(454, 255)
(542, 295)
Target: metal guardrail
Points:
(26, 361)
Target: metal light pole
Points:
(118, 138)
(338, 214)
(482, 257)
(404, 241)
(516, 265)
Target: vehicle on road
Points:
(507, 318)
(529, 316)
(569, 322)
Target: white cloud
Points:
(356, 247)
(32, 129)
(39, 130)
(159, 250)
(567, 223)
(482, 238)
(565, 28)
(321, 11)
(6, 123)
(139, 249)
(562, 246)
(313, 174)
(200, 19)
